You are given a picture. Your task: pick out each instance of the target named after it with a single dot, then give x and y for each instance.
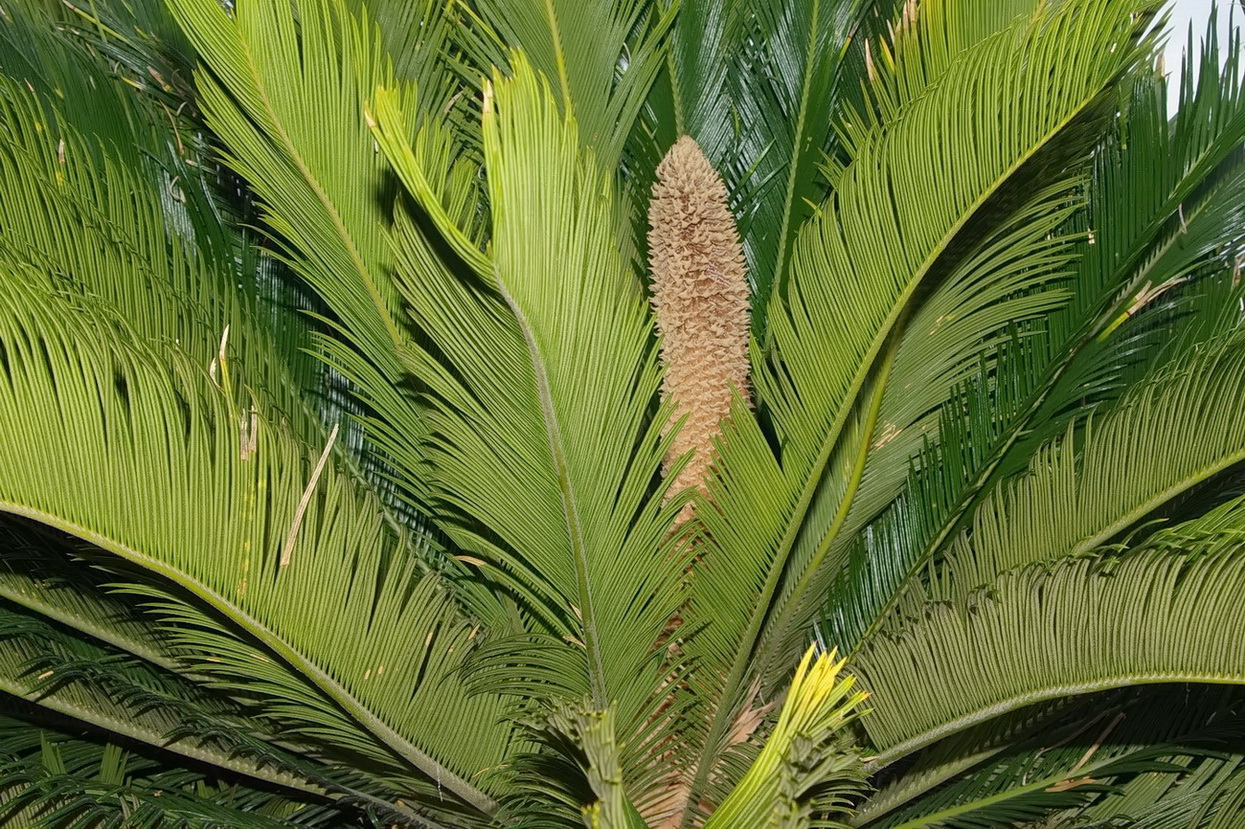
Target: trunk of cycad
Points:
(700, 298)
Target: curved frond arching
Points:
(333, 447)
(1125, 758)
(969, 344)
(1178, 431)
(935, 767)
(40, 576)
(1150, 616)
(159, 703)
(43, 665)
(1163, 210)
(379, 646)
(922, 42)
(48, 777)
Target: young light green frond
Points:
(561, 268)
(446, 189)
(801, 772)
(286, 96)
(538, 384)
(1150, 616)
(423, 159)
(377, 650)
(431, 46)
(601, 58)
(1171, 435)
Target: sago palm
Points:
(622, 413)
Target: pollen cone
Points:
(700, 296)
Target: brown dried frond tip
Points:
(700, 295)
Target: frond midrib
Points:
(1147, 507)
(1093, 328)
(786, 239)
(1083, 770)
(94, 630)
(570, 505)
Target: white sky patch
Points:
(1197, 12)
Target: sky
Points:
(1196, 11)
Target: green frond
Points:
(50, 779)
(1176, 432)
(947, 760)
(756, 85)
(286, 96)
(434, 48)
(40, 575)
(602, 58)
(97, 687)
(539, 379)
(1142, 230)
(124, 216)
(1209, 795)
(269, 83)
(888, 190)
(1164, 201)
(379, 646)
(898, 221)
(1114, 760)
(973, 336)
(595, 734)
(331, 486)
(920, 44)
(1147, 616)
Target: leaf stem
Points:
(570, 506)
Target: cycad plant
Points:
(621, 413)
